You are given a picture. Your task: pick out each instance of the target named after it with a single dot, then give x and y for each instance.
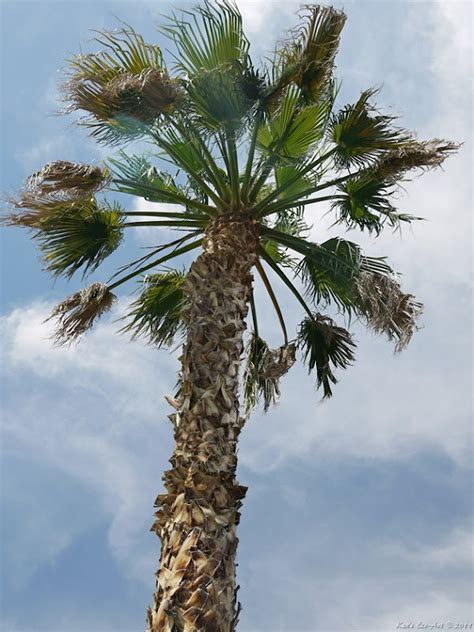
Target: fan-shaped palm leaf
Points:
(361, 133)
(82, 237)
(210, 37)
(158, 313)
(71, 232)
(364, 202)
(325, 347)
(293, 128)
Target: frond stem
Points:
(175, 253)
(285, 280)
(250, 158)
(273, 299)
(178, 198)
(289, 183)
(283, 205)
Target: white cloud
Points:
(371, 586)
(88, 408)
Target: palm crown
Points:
(263, 143)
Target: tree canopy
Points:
(259, 141)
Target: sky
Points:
(359, 510)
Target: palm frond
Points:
(187, 153)
(263, 371)
(290, 179)
(307, 58)
(330, 270)
(364, 202)
(72, 233)
(361, 134)
(379, 300)
(124, 88)
(210, 37)
(394, 164)
(68, 178)
(325, 347)
(157, 313)
(220, 99)
(145, 180)
(77, 313)
(293, 129)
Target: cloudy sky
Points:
(359, 510)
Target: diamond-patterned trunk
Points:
(197, 517)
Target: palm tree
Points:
(249, 150)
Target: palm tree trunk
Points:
(197, 517)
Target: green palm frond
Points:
(292, 180)
(124, 50)
(379, 301)
(364, 202)
(72, 233)
(209, 37)
(143, 179)
(77, 313)
(221, 84)
(307, 58)
(361, 133)
(82, 238)
(221, 99)
(187, 151)
(124, 88)
(325, 347)
(158, 313)
(292, 129)
(331, 269)
(263, 371)
(69, 178)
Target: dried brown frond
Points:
(69, 178)
(264, 369)
(415, 155)
(380, 301)
(77, 313)
(38, 210)
(307, 58)
(33, 210)
(142, 96)
(277, 362)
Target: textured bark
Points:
(197, 517)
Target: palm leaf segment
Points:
(230, 138)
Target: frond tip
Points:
(77, 313)
(380, 301)
(63, 177)
(264, 369)
(325, 344)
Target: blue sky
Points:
(359, 510)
